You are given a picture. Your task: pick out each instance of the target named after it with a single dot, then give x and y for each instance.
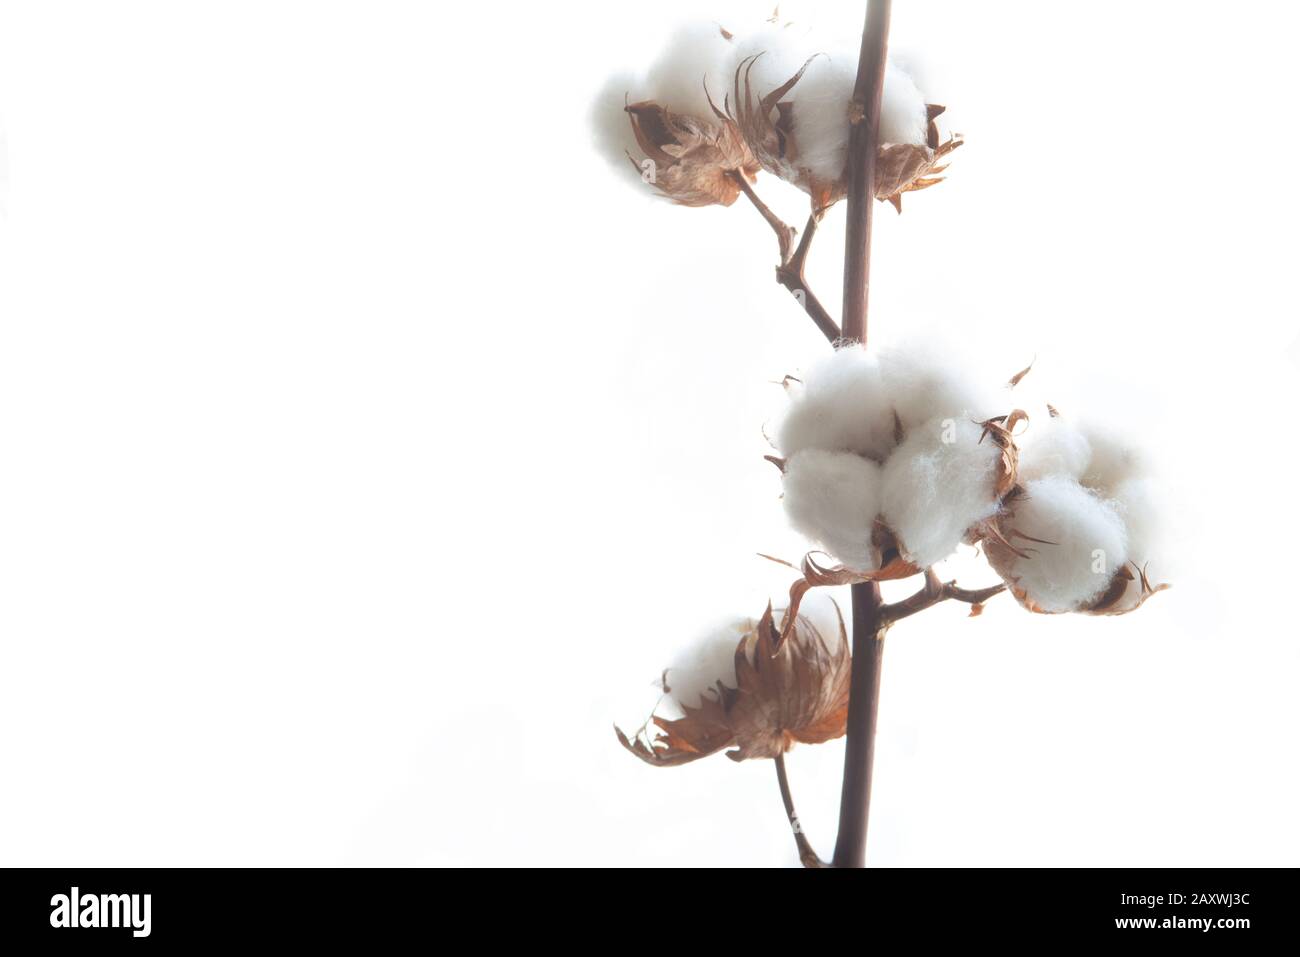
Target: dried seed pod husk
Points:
(787, 692)
(906, 168)
(694, 160)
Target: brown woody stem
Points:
(790, 271)
(807, 855)
(868, 628)
(860, 745)
(791, 275)
(934, 592)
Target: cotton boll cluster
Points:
(845, 471)
(701, 111)
(938, 484)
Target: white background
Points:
(367, 448)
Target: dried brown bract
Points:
(789, 691)
(692, 160)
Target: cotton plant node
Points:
(889, 460)
(785, 692)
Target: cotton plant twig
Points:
(932, 593)
(791, 275)
(790, 271)
(807, 856)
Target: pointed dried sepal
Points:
(1112, 601)
(906, 167)
(1000, 431)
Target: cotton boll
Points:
(937, 484)
(1053, 446)
(926, 380)
(1088, 544)
(841, 405)
(833, 499)
(699, 668)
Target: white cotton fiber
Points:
(1115, 459)
(822, 613)
(1088, 544)
(833, 498)
(840, 404)
(696, 54)
(937, 484)
(1052, 446)
(702, 665)
(928, 378)
(1142, 503)
(611, 127)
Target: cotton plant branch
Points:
(933, 592)
(807, 856)
(790, 270)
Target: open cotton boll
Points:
(1052, 446)
(840, 405)
(1088, 544)
(833, 499)
(936, 485)
(699, 667)
(926, 379)
(820, 100)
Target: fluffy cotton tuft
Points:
(926, 379)
(698, 669)
(1115, 459)
(820, 111)
(1142, 504)
(840, 405)
(697, 54)
(833, 499)
(937, 484)
(1053, 446)
(1088, 544)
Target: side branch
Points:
(791, 275)
(807, 856)
(790, 272)
(933, 592)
